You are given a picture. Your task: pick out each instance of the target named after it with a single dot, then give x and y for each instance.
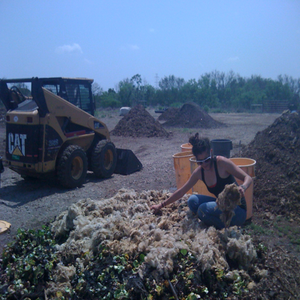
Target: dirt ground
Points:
(30, 204)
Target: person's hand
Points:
(242, 190)
(156, 208)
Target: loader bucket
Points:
(127, 162)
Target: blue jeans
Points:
(204, 206)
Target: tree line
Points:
(212, 91)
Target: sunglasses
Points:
(200, 162)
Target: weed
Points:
(284, 228)
(186, 130)
(28, 263)
(261, 247)
(258, 230)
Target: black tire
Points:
(104, 159)
(29, 178)
(1, 166)
(72, 167)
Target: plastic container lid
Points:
(4, 226)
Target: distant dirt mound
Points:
(277, 153)
(191, 115)
(139, 123)
(168, 114)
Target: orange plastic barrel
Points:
(186, 147)
(248, 166)
(199, 187)
(182, 168)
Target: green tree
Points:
(212, 90)
(97, 89)
(137, 89)
(109, 99)
(170, 90)
(149, 95)
(125, 91)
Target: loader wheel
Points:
(104, 159)
(72, 167)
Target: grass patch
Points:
(255, 229)
(186, 130)
(281, 227)
(287, 229)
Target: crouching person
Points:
(216, 172)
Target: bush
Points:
(176, 104)
(110, 103)
(206, 108)
(218, 110)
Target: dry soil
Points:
(30, 204)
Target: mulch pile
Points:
(277, 193)
(191, 115)
(277, 153)
(168, 114)
(139, 123)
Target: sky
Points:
(112, 40)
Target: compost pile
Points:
(168, 114)
(162, 247)
(277, 153)
(191, 115)
(116, 248)
(139, 123)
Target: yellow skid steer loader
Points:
(51, 130)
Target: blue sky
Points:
(109, 41)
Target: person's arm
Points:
(237, 172)
(180, 192)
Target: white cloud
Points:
(130, 47)
(233, 59)
(69, 49)
(134, 47)
(87, 61)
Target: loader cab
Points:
(23, 94)
(76, 91)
